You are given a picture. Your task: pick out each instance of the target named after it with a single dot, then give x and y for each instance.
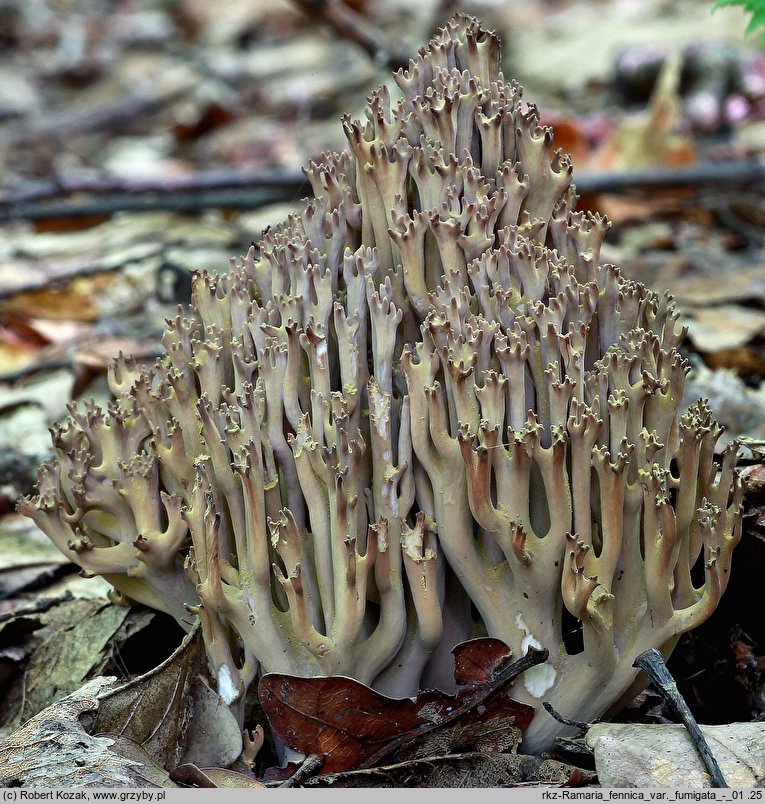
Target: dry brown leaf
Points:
(74, 300)
(651, 138)
(737, 284)
(99, 353)
(725, 326)
(213, 737)
(190, 775)
(351, 725)
(53, 750)
(641, 755)
(155, 711)
(147, 769)
(26, 553)
(68, 644)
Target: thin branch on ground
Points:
(310, 767)
(62, 186)
(350, 25)
(736, 173)
(74, 197)
(577, 724)
(651, 662)
(105, 205)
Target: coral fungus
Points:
(426, 411)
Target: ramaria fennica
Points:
(426, 412)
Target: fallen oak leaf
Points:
(189, 775)
(478, 661)
(172, 713)
(52, 749)
(18, 331)
(154, 709)
(352, 726)
(484, 666)
(336, 717)
(491, 727)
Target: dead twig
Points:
(736, 172)
(100, 185)
(237, 189)
(350, 25)
(150, 202)
(651, 662)
(577, 724)
(310, 767)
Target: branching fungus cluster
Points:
(426, 411)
